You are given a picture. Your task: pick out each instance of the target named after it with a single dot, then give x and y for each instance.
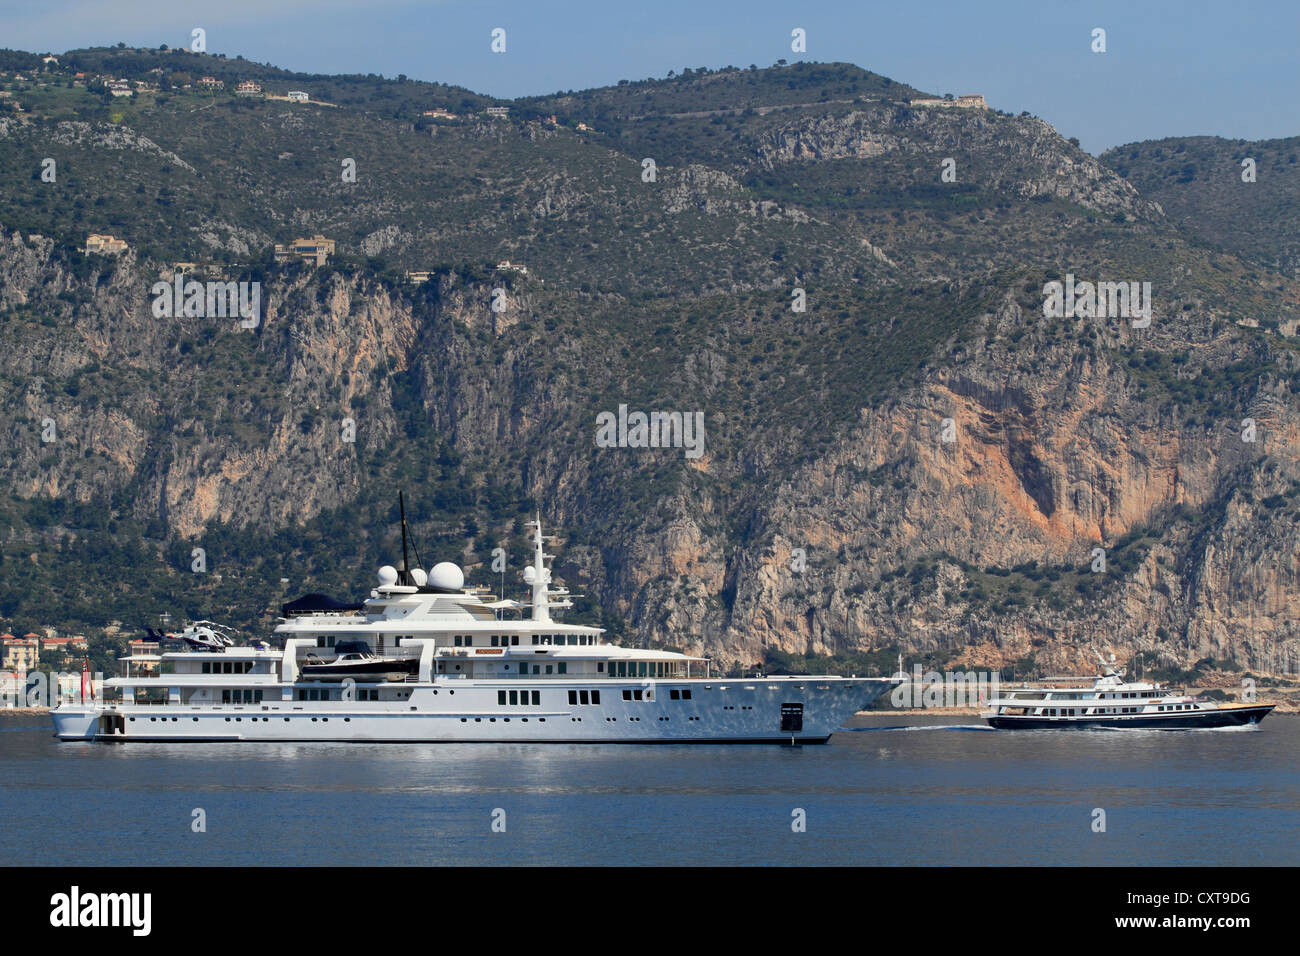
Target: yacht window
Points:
(494, 640)
(636, 694)
(573, 697)
(514, 640)
(584, 697)
(674, 695)
(514, 697)
(537, 698)
(595, 697)
(600, 667)
(627, 695)
(536, 638)
(548, 668)
(207, 667)
(563, 667)
(573, 639)
(501, 697)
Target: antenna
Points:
(401, 505)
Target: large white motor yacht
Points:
(427, 659)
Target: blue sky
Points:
(1170, 68)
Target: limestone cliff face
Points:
(1051, 455)
(196, 448)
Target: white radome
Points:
(447, 576)
(419, 577)
(387, 576)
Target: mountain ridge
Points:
(825, 427)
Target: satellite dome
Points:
(530, 574)
(419, 577)
(387, 576)
(447, 576)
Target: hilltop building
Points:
(315, 250)
(248, 88)
(104, 245)
(497, 111)
(969, 101)
(210, 83)
(505, 265)
(439, 113)
(297, 96)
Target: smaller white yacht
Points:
(1113, 702)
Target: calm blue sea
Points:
(887, 790)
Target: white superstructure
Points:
(447, 666)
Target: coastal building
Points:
(497, 111)
(210, 83)
(297, 96)
(439, 113)
(505, 265)
(20, 653)
(416, 278)
(66, 646)
(316, 250)
(104, 245)
(248, 88)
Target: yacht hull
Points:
(755, 710)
